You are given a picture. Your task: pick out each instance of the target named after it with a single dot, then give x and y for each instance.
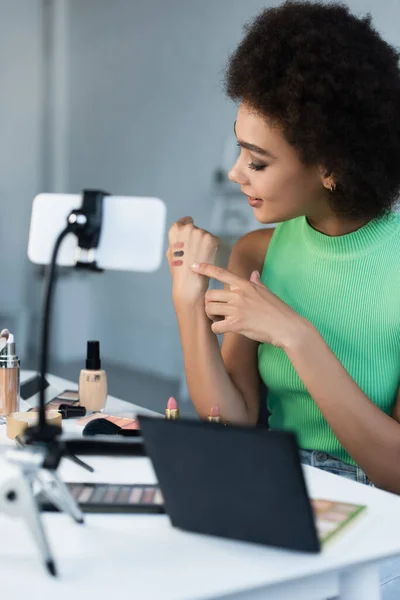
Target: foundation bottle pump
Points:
(93, 380)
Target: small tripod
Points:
(26, 478)
(32, 470)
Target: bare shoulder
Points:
(249, 251)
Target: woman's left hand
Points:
(250, 309)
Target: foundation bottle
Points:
(93, 380)
(9, 376)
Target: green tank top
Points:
(349, 288)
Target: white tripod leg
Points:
(58, 493)
(17, 499)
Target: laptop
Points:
(237, 482)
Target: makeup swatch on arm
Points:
(178, 252)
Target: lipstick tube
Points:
(172, 410)
(212, 419)
(215, 415)
(172, 413)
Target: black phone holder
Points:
(85, 223)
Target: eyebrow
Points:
(252, 147)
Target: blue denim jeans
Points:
(323, 461)
(390, 568)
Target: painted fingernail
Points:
(195, 265)
(177, 263)
(178, 245)
(179, 253)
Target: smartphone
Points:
(31, 386)
(132, 236)
(30, 391)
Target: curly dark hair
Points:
(332, 84)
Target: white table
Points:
(144, 557)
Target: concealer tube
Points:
(93, 380)
(9, 377)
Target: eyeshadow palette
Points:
(331, 517)
(113, 498)
(120, 420)
(70, 397)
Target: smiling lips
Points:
(254, 202)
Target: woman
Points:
(312, 307)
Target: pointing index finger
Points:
(217, 273)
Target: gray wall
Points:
(148, 116)
(21, 52)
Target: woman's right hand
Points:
(189, 244)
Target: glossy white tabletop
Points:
(144, 557)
